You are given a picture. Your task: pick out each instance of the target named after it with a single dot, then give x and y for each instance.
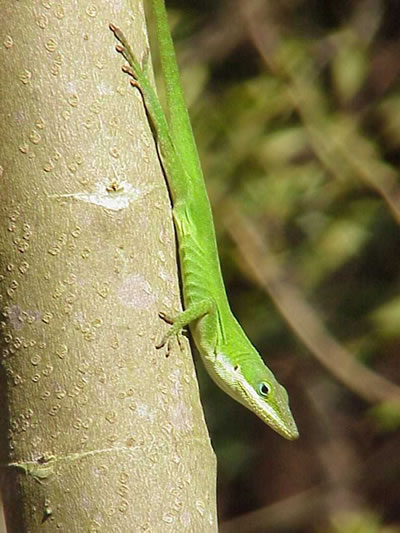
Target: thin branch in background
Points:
(213, 45)
(336, 451)
(309, 506)
(301, 317)
(2, 518)
(329, 146)
(294, 511)
(336, 493)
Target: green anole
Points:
(228, 355)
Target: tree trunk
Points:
(99, 430)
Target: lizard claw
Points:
(166, 318)
(162, 343)
(167, 339)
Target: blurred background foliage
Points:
(295, 105)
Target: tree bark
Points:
(103, 431)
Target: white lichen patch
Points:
(114, 196)
(135, 291)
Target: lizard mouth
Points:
(283, 424)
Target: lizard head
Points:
(254, 386)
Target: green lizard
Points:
(228, 355)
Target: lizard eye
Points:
(264, 389)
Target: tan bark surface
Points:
(100, 430)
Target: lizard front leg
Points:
(191, 314)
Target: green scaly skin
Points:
(228, 355)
